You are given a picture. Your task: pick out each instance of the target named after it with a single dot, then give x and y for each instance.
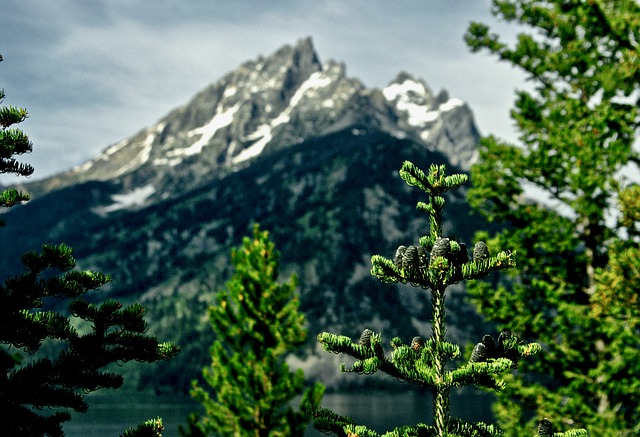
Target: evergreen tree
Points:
(617, 285)
(257, 323)
(577, 127)
(434, 264)
(47, 362)
(12, 142)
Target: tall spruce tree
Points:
(47, 363)
(257, 323)
(434, 264)
(573, 287)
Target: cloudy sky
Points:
(91, 73)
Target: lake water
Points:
(110, 414)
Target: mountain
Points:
(286, 141)
(267, 105)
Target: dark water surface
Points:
(110, 414)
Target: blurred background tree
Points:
(556, 197)
(257, 323)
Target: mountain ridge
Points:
(266, 104)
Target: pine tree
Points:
(617, 285)
(13, 142)
(47, 362)
(577, 127)
(257, 323)
(434, 264)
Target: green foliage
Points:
(434, 265)
(257, 323)
(618, 283)
(12, 142)
(575, 287)
(150, 428)
(55, 381)
(47, 361)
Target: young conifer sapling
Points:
(435, 264)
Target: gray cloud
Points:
(92, 73)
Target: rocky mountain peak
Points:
(440, 122)
(263, 106)
(409, 94)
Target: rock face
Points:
(286, 141)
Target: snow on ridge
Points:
(142, 157)
(393, 91)
(137, 197)
(206, 132)
(229, 92)
(104, 156)
(264, 133)
(145, 152)
(82, 167)
(450, 104)
(115, 148)
(315, 81)
(418, 113)
(400, 93)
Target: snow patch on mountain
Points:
(450, 105)
(134, 198)
(316, 81)
(404, 90)
(264, 133)
(206, 133)
(83, 167)
(229, 92)
(131, 153)
(413, 98)
(145, 152)
(104, 156)
(116, 148)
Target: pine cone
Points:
(410, 259)
(365, 338)
(423, 258)
(397, 260)
(480, 251)
(441, 247)
(417, 343)
(479, 354)
(490, 345)
(413, 258)
(545, 428)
